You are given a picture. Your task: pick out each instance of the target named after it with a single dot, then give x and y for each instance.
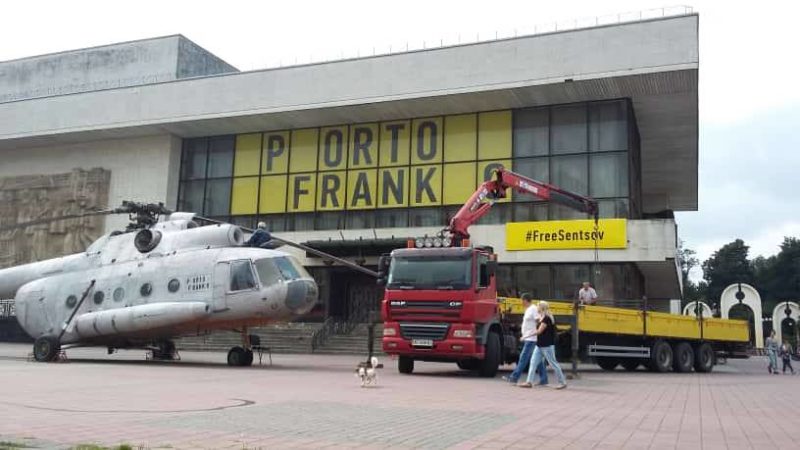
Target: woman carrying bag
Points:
(545, 347)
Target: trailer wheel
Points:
(683, 357)
(704, 358)
(405, 364)
(607, 363)
(491, 360)
(660, 356)
(630, 364)
(469, 364)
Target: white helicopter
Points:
(157, 281)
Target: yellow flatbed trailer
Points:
(614, 336)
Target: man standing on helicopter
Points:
(260, 236)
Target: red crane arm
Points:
(490, 191)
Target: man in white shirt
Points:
(529, 322)
(587, 295)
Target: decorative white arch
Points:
(747, 295)
(779, 313)
(689, 309)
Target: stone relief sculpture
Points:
(31, 197)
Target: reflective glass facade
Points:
(414, 172)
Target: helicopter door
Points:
(221, 279)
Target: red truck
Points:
(440, 302)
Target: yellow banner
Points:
(566, 235)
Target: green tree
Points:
(778, 277)
(688, 261)
(726, 266)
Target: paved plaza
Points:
(311, 401)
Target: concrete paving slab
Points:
(315, 401)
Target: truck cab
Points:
(440, 304)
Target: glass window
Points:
(530, 212)
(268, 272)
(218, 197)
(483, 271)
(500, 213)
(290, 269)
(568, 129)
(173, 285)
(608, 126)
(614, 208)
(300, 222)
(447, 272)
(391, 218)
(98, 297)
(531, 132)
(242, 276)
(505, 281)
(533, 279)
(570, 173)
(567, 279)
(425, 217)
(609, 175)
(360, 220)
(194, 159)
(561, 212)
(333, 220)
(536, 168)
(245, 221)
(220, 157)
(192, 193)
(275, 222)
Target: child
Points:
(786, 356)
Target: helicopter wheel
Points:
(165, 351)
(237, 356)
(46, 348)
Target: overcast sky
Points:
(749, 97)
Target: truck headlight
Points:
(389, 332)
(463, 333)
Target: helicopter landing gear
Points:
(165, 351)
(237, 356)
(46, 349)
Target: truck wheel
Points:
(660, 356)
(405, 365)
(607, 363)
(491, 360)
(46, 349)
(704, 358)
(683, 357)
(630, 364)
(469, 364)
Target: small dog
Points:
(367, 372)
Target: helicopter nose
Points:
(301, 296)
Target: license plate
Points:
(422, 343)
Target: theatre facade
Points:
(355, 156)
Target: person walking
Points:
(545, 347)
(786, 356)
(587, 295)
(771, 345)
(530, 320)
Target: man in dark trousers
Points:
(260, 236)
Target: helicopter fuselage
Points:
(193, 280)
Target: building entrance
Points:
(352, 296)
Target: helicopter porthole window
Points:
(146, 290)
(119, 294)
(98, 297)
(72, 301)
(174, 285)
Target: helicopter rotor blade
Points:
(102, 212)
(305, 248)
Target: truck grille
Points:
(424, 304)
(434, 331)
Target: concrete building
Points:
(355, 156)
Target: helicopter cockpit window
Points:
(146, 289)
(290, 269)
(119, 294)
(72, 301)
(268, 273)
(242, 276)
(174, 285)
(98, 297)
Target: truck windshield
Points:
(430, 273)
